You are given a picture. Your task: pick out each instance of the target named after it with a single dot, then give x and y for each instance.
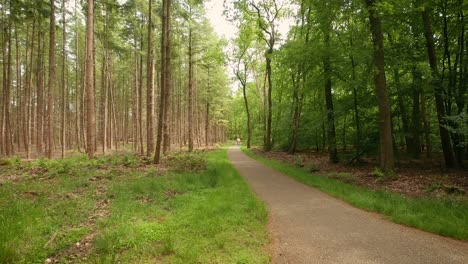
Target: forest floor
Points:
(120, 208)
(413, 178)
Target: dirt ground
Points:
(412, 177)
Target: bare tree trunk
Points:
(64, 85)
(190, 94)
(140, 102)
(51, 92)
(77, 81)
(150, 87)
(331, 131)
(90, 96)
(385, 126)
(207, 123)
(168, 80)
(438, 90)
(40, 91)
(29, 83)
(268, 144)
(157, 154)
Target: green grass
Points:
(443, 216)
(176, 216)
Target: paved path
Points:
(309, 226)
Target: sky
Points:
(214, 12)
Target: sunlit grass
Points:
(208, 216)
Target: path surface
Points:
(309, 226)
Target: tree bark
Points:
(438, 91)
(64, 87)
(150, 87)
(167, 81)
(51, 92)
(90, 96)
(331, 131)
(385, 126)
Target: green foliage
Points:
(313, 168)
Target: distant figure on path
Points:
(238, 141)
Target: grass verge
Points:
(197, 210)
(443, 216)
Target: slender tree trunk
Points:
(90, 96)
(157, 154)
(190, 94)
(51, 92)
(268, 145)
(77, 81)
(40, 91)
(438, 90)
(246, 102)
(427, 127)
(385, 119)
(207, 119)
(416, 115)
(29, 84)
(168, 81)
(140, 101)
(331, 131)
(64, 85)
(150, 86)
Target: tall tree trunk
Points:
(331, 131)
(427, 127)
(416, 115)
(268, 144)
(246, 102)
(190, 94)
(150, 87)
(90, 96)
(64, 86)
(157, 154)
(51, 92)
(168, 80)
(385, 119)
(207, 119)
(29, 84)
(140, 101)
(77, 81)
(438, 90)
(40, 90)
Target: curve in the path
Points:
(309, 226)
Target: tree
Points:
(385, 126)
(150, 86)
(90, 96)
(50, 98)
(438, 91)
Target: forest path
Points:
(308, 226)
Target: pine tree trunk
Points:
(64, 86)
(167, 81)
(90, 96)
(190, 94)
(150, 87)
(51, 92)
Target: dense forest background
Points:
(46, 92)
(354, 78)
(384, 78)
